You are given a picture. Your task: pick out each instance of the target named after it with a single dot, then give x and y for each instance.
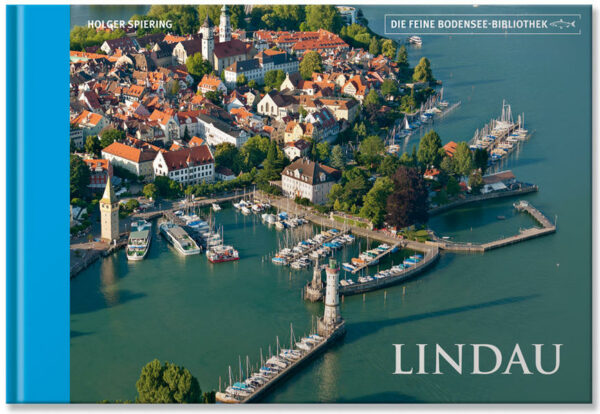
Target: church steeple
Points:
(224, 25)
(208, 40)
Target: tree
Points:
(274, 78)
(388, 166)
(92, 145)
(371, 149)
(215, 97)
(373, 99)
(323, 151)
(388, 48)
(150, 191)
(228, 155)
(447, 166)
(109, 136)
(476, 181)
(167, 188)
(197, 66)
(463, 161)
(430, 150)
(374, 46)
(252, 84)
(323, 17)
(241, 80)
(254, 151)
(480, 159)
(409, 202)
(402, 59)
(185, 18)
(389, 87)
(355, 184)
(374, 203)
(337, 159)
(79, 177)
(408, 103)
(168, 383)
(174, 90)
(452, 187)
(311, 62)
(186, 134)
(422, 72)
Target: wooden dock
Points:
(377, 258)
(296, 256)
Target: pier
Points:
(290, 259)
(429, 258)
(294, 366)
(524, 234)
(377, 258)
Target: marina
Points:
(322, 244)
(500, 136)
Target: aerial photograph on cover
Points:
(330, 204)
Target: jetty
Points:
(296, 255)
(524, 234)
(376, 259)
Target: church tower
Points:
(208, 39)
(332, 318)
(109, 214)
(224, 25)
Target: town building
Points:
(296, 149)
(220, 54)
(218, 132)
(308, 179)
(210, 83)
(256, 68)
(100, 171)
(136, 159)
(109, 214)
(90, 123)
(192, 165)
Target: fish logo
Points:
(561, 24)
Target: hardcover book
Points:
(242, 203)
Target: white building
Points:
(255, 69)
(186, 165)
(308, 179)
(218, 132)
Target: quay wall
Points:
(428, 261)
(482, 197)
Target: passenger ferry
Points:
(178, 237)
(415, 40)
(138, 243)
(222, 253)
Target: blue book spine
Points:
(37, 210)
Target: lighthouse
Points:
(332, 318)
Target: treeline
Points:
(82, 37)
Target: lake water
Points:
(203, 316)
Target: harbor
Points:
(184, 310)
(330, 328)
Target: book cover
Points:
(242, 203)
